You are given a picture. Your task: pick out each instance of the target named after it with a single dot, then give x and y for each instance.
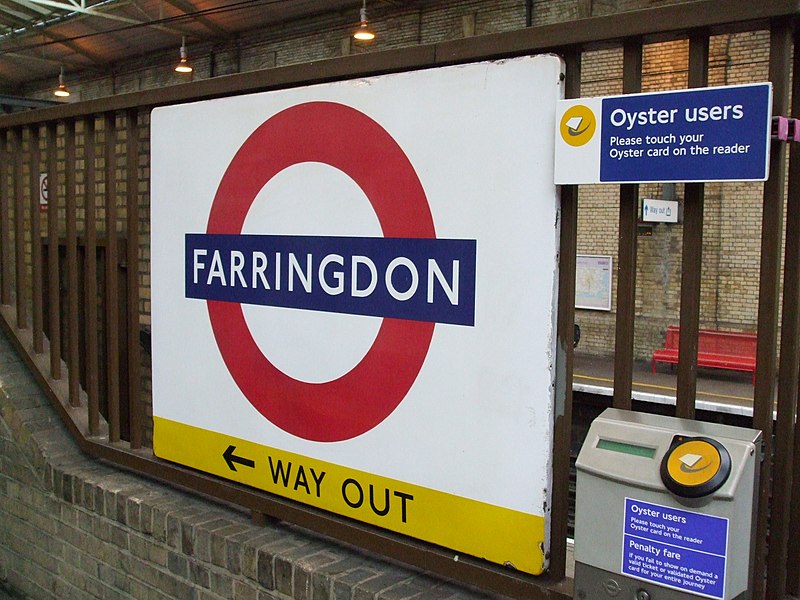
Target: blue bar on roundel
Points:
(404, 278)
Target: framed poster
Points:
(593, 281)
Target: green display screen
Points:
(625, 448)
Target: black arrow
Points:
(230, 458)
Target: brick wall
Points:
(732, 213)
(72, 528)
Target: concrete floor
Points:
(718, 390)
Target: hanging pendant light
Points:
(364, 33)
(183, 65)
(61, 91)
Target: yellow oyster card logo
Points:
(578, 125)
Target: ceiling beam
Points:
(191, 11)
(67, 8)
(74, 46)
(70, 8)
(31, 7)
(110, 34)
(53, 61)
(24, 19)
(157, 25)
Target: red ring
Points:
(348, 140)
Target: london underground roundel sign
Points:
(323, 132)
(354, 298)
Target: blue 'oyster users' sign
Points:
(676, 548)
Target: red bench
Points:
(732, 350)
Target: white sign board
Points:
(353, 299)
(659, 211)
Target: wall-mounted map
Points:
(593, 282)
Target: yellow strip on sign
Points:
(497, 534)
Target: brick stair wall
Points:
(75, 528)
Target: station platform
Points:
(718, 390)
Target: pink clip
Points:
(783, 129)
(796, 127)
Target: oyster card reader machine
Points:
(665, 509)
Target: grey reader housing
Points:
(665, 509)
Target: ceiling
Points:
(37, 37)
